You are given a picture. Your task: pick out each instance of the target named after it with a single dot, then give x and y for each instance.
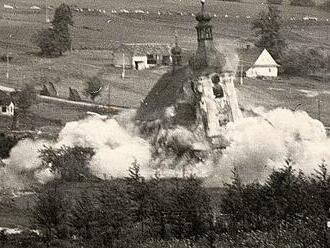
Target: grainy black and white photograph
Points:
(165, 124)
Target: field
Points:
(95, 34)
(310, 95)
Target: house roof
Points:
(142, 49)
(5, 99)
(255, 57)
(265, 59)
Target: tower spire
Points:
(176, 38)
(206, 54)
(176, 53)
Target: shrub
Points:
(302, 3)
(302, 62)
(70, 163)
(6, 143)
(93, 87)
(274, 1)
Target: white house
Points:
(140, 56)
(264, 66)
(7, 106)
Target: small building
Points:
(141, 56)
(258, 64)
(7, 106)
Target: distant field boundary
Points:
(111, 108)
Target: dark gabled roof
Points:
(74, 95)
(44, 91)
(49, 90)
(52, 89)
(5, 99)
(142, 49)
(165, 93)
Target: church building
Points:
(199, 96)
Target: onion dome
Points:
(207, 57)
(176, 50)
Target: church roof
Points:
(164, 94)
(169, 90)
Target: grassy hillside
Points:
(104, 31)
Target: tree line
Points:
(79, 210)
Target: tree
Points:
(56, 40)
(267, 27)
(192, 203)
(93, 87)
(83, 218)
(139, 193)
(49, 213)
(114, 213)
(24, 99)
(71, 163)
(303, 3)
(302, 61)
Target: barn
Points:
(257, 63)
(141, 56)
(7, 106)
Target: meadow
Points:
(95, 34)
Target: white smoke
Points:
(25, 155)
(230, 53)
(115, 148)
(261, 144)
(257, 145)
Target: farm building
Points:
(258, 63)
(6, 104)
(140, 56)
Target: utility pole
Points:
(7, 60)
(109, 91)
(7, 65)
(123, 72)
(241, 79)
(47, 18)
(319, 108)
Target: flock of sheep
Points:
(140, 11)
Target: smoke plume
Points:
(257, 145)
(261, 144)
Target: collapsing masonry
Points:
(200, 97)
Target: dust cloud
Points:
(257, 145)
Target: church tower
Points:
(206, 56)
